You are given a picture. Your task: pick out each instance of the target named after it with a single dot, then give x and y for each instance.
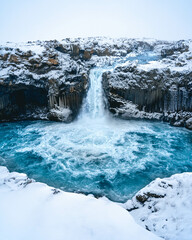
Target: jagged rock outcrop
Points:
(171, 49)
(161, 90)
(84, 49)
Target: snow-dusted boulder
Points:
(189, 123)
(171, 49)
(30, 210)
(164, 207)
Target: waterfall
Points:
(93, 106)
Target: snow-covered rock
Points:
(36, 74)
(165, 207)
(189, 123)
(31, 210)
(160, 89)
(55, 74)
(61, 114)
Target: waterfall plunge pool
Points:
(106, 157)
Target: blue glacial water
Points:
(96, 153)
(114, 158)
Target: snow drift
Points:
(31, 210)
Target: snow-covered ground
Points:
(178, 62)
(31, 210)
(165, 207)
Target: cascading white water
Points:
(93, 106)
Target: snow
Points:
(32, 210)
(4, 71)
(166, 207)
(32, 46)
(152, 65)
(162, 64)
(61, 112)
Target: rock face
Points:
(21, 101)
(157, 90)
(170, 50)
(63, 96)
(39, 82)
(48, 80)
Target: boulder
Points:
(52, 61)
(14, 59)
(189, 123)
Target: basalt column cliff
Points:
(49, 79)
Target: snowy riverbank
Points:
(165, 207)
(31, 210)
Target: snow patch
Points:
(31, 46)
(61, 113)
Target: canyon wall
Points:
(134, 91)
(38, 82)
(49, 79)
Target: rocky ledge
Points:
(159, 89)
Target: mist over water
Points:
(96, 153)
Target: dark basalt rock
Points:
(154, 94)
(189, 123)
(46, 84)
(61, 48)
(68, 96)
(142, 198)
(22, 102)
